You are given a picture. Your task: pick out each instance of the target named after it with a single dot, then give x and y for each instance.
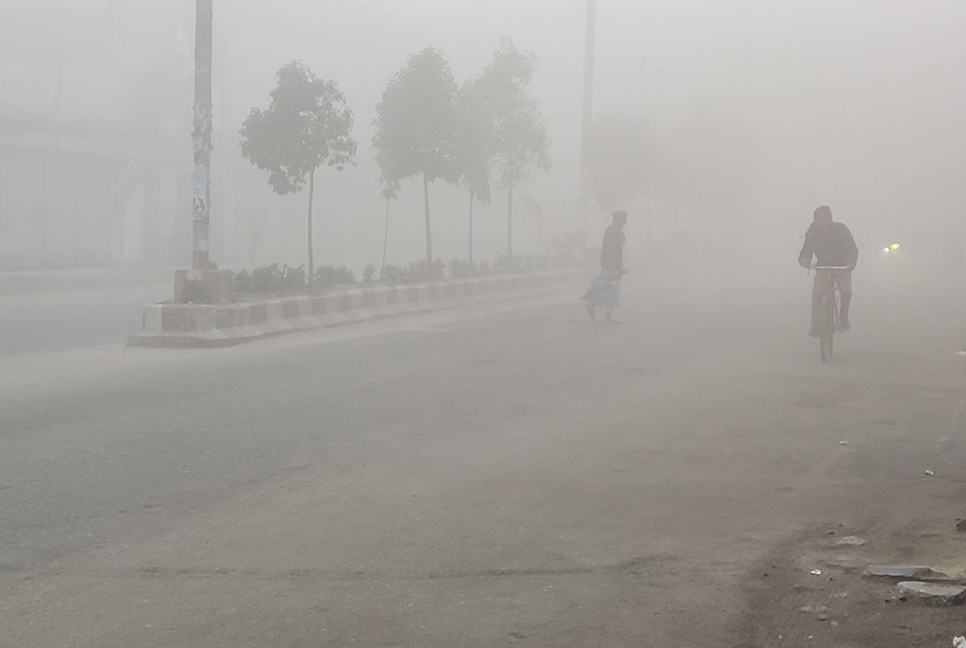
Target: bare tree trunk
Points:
(385, 245)
(311, 251)
(509, 223)
(429, 230)
(472, 200)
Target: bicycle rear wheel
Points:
(827, 334)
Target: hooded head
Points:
(620, 218)
(823, 218)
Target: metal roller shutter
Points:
(94, 226)
(21, 208)
(61, 190)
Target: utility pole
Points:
(215, 285)
(588, 115)
(201, 137)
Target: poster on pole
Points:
(200, 181)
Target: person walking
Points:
(605, 291)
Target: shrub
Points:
(415, 273)
(327, 276)
(391, 275)
(521, 264)
(194, 292)
(460, 269)
(270, 280)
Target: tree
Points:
(308, 124)
(521, 140)
(475, 147)
(415, 125)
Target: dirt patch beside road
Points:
(793, 605)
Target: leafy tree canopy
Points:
(308, 124)
(522, 143)
(475, 140)
(416, 121)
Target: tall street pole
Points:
(201, 137)
(588, 115)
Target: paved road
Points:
(509, 475)
(58, 321)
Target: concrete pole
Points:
(588, 115)
(201, 137)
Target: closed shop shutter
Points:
(62, 186)
(21, 208)
(94, 228)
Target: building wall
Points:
(55, 208)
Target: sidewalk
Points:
(76, 279)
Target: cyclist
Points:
(831, 244)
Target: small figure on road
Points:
(832, 245)
(605, 291)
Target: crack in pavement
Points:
(634, 566)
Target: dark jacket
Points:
(612, 255)
(834, 248)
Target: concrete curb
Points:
(223, 325)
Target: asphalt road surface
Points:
(507, 475)
(58, 321)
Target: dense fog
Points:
(719, 125)
(463, 364)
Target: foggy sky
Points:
(853, 103)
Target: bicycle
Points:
(829, 319)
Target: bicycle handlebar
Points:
(830, 268)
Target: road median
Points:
(221, 325)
